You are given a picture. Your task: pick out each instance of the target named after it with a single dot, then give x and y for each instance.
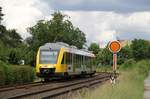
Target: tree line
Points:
(60, 29)
(139, 49)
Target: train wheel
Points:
(83, 74)
(91, 74)
(67, 76)
(46, 79)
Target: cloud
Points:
(101, 5)
(101, 26)
(20, 14)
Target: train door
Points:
(82, 64)
(78, 68)
(69, 60)
(88, 65)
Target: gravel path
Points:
(147, 88)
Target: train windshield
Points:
(48, 57)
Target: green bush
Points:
(21, 74)
(3, 53)
(140, 49)
(128, 64)
(141, 68)
(15, 74)
(104, 69)
(2, 74)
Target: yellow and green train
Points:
(60, 60)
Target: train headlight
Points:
(45, 66)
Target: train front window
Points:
(48, 57)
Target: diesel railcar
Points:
(60, 60)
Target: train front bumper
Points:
(49, 72)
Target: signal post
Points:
(114, 47)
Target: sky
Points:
(100, 20)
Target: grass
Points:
(104, 69)
(129, 85)
(126, 87)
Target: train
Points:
(62, 60)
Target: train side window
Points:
(74, 59)
(67, 61)
(92, 61)
(68, 58)
(78, 60)
(63, 59)
(88, 62)
(83, 60)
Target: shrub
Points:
(29, 74)
(15, 74)
(20, 74)
(9, 75)
(15, 55)
(140, 49)
(143, 67)
(128, 64)
(2, 76)
(140, 68)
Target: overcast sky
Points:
(100, 20)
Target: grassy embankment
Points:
(10, 74)
(129, 84)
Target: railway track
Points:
(8, 88)
(48, 90)
(25, 85)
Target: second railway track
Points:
(49, 90)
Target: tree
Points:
(94, 47)
(58, 29)
(104, 57)
(10, 42)
(1, 14)
(14, 39)
(140, 49)
(124, 54)
(9, 37)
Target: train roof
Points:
(67, 48)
